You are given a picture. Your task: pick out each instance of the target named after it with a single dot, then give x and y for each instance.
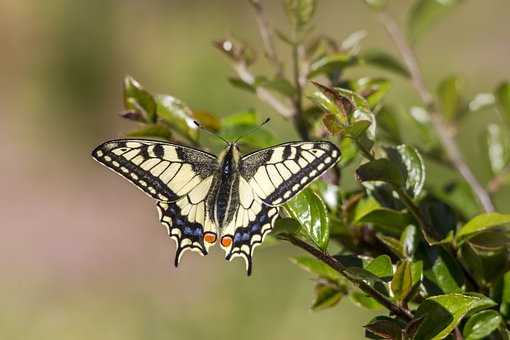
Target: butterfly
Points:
(231, 199)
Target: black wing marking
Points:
(164, 171)
(278, 173)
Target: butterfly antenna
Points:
(253, 130)
(211, 133)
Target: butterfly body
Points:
(203, 199)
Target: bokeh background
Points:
(82, 255)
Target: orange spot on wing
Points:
(210, 237)
(226, 241)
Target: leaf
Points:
(280, 85)
(363, 300)
(316, 267)
(425, 13)
(241, 84)
(244, 124)
(360, 274)
(311, 212)
(505, 296)
(482, 101)
(411, 165)
(443, 270)
(356, 129)
(380, 266)
(207, 120)
(241, 118)
(326, 297)
(137, 99)
(372, 89)
(352, 44)
(328, 105)
(393, 244)
(178, 115)
(402, 281)
(449, 93)
(482, 324)
(385, 61)
(329, 64)
(479, 224)
(498, 147)
(380, 170)
(376, 4)
(486, 264)
(503, 99)
(385, 328)
(300, 12)
(409, 240)
(349, 151)
(387, 121)
(333, 123)
(442, 313)
(285, 226)
(152, 130)
(391, 220)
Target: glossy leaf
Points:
(503, 99)
(285, 226)
(486, 264)
(391, 220)
(482, 324)
(360, 274)
(311, 212)
(443, 270)
(380, 170)
(356, 129)
(385, 61)
(409, 240)
(385, 328)
(392, 244)
(152, 130)
(498, 147)
(178, 115)
(442, 313)
(300, 12)
(425, 13)
(137, 99)
(326, 296)
(363, 300)
(380, 266)
(412, 167)
(372, 89)
(481, 223)
(402, 281)
(449, 93)
(316, 267)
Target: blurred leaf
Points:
(280, 85)
(372, 89)
(380, 170)
(316, 267)
(385, 328)
(460, 196)
(388, 123)
(482, 101)
(207, 120)
(498, 145)
(482, 324)
(285, 226)
(503, 99)
(137, 99)
(362, 300)
(311, 212)
(442, 313)
(333, 123)
(402, 281)
(479, 224)
(411, 165)
(380, 266)
(241, 84)
(241, 118)
(449, 93)
(326, 296)
(152, 130)
(409, 240)
(385, 61)
(240, 124)
(236, 50)
(376, 4)
(349, 151)
(356, 129)
(425, 13)
(486, 265)
(393, 244)
(300, 12)
(178, 115)
(134, 116)
(327, 104)
(352, 44)
(420, 121)
(329, 63)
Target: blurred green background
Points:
(82, 255)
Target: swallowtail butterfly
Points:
(233, 199)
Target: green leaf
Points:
(505, 296)
(387, 121)
(327, 104)
(285, 226)
(498, 146)
(443, 270)
(326, 296)
(503, 99)
(207, 120)
(349, 151)
(356, 129)
(241, 84)
(240, 124)
(363, 300)
(391, 220)
(449, 93)
(411, 165)
(311, 212)
(360, 274)
(479, 224)
(376, 4)
(385, 61)
(425, 13)
(300, 12)
(333, 123)
(402, 281)
(178, 115)
(316, 267)
(410, 239)
(442, 313)
(486, 264)
(482, 324)
(380, 266)
(241, 118)
(380, 170)
(329, 64)
(280, 85)
(393, 244)
(372, 89)
(152, 130)
(137, 99)
(385, 328)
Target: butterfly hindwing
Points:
(278, 173)
(178, 177)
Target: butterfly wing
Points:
(178, 177)
(269, 178)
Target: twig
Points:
(339, 267)
(264, 95)
(267, 36)
(447, 141)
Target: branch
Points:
(263, 94)
(452, 150)
(339, 267)
(267, 36)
